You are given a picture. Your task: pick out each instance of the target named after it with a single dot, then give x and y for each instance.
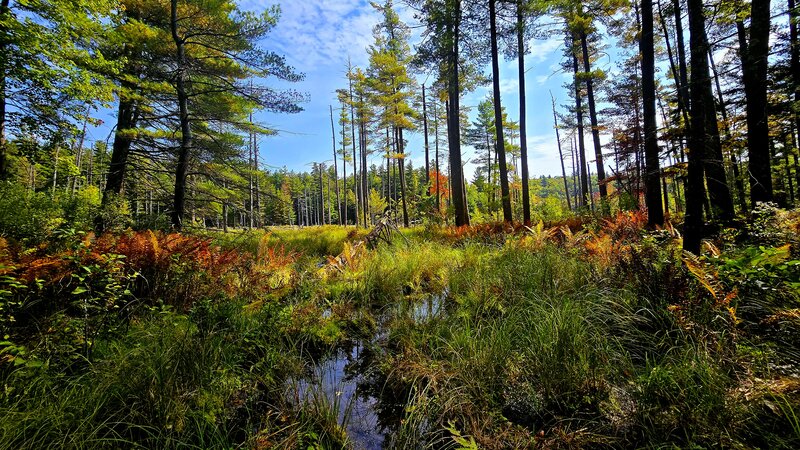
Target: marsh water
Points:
(348, 381)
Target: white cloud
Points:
(541, 50)
(509, 86)
(320, 33)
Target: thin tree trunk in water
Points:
(560, 154)
(693, 222)
(186, 130)
(598, 149)
(505, 195)
(754, 68)
(454, 126)
(655, 211)
(523, 132)
(584, 179)
(336, 170)
(737, 178)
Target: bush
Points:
(27, 216)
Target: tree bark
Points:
(498, 118)
(523, 119)
(454, 126)
(336, 170)
(584, 178)
(794, 63)
(182, 166)
(356, 183)
(402, 166)
(425, 134)
(693, 221)
(598, 149)
(5, 12)
(655, 211)
(737, 177)
(120, 149)
(754, 68)
(560, 154)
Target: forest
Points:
(172, 277)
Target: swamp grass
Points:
(535, 346)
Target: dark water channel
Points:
(349, 381)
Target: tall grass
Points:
(172, 381)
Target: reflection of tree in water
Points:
(370, 406)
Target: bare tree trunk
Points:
(794, 63)
(5, 12)
(425, 134)
(182, 166)
(584, 178)
(498, 118)
(55, 169)
(754, 68)
(523, 119)
(402, 163)
(655, 211)
(693, 222)
(454, 125)
(120, 150)
(598, 149)
(560, 154)
(737, 178)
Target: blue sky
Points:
(318, 36)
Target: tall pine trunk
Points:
(402, 166)
(523, 118)
(182, 166)
(754, 68)
(598, 149)
(454, 125)
(583, 201)
(336, 170)
(655, 211)
(693, 222)
(5, 12)
(560, 153)
(794, 63)
(425, 133)
(737, 176)
(120, 149)
(498, 118)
